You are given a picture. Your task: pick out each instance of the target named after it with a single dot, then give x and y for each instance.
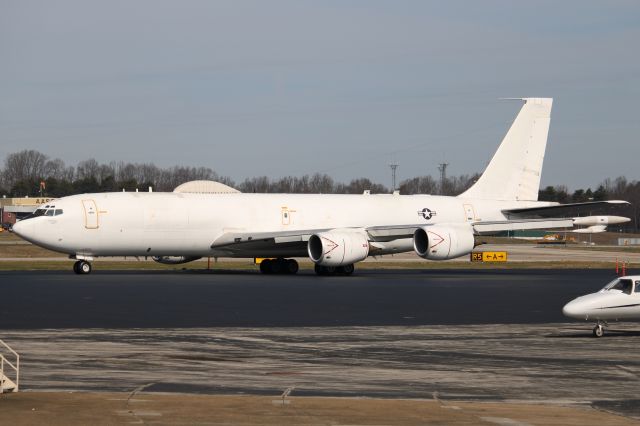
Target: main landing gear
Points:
(598, 330)
(335, 270)
(82, 267)
(279, 266)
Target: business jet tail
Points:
(514, 171)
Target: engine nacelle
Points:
(443, 242)
(338, 247)
(174, 260)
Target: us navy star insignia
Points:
(426, 213)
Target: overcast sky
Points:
(340, 87)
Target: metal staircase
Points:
(8, 367)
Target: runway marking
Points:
(628, 371)
(138, 413)
(504, 421)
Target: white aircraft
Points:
(618, 300)
(334, 231)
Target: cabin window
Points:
(637, 288)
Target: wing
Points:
(268, 244)
(294, 243)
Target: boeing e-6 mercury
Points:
(335, 231)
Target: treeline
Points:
(616, 189)
(610, 189)
(32, 173)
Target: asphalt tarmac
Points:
(158, 299)
(493, 336)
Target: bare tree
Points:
(24, 165)
(358, 186)
(260, 184)
(88, 169)
(321, 184)
(419, 185)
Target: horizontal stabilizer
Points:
(573, 209)
(595, 229)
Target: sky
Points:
(277, 88)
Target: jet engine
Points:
(174, 260)
(443, 242)
(338, 247)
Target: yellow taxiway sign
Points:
(489, 256)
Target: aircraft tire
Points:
(291, 266)
(348, 269)
(84, 267)
(598, 331)
(276, 266)
(265, 266)
(76, 267)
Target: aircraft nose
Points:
(24, 229)
(574, 309)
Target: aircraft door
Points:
(286, 216)
(90, 214)
(469, 213)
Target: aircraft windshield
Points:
(624, 285)
(45, 211)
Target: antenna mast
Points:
(394, 167)
(442, 168)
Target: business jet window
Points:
(58, 212)
(50, 212)
(624, 286)
(637, 288)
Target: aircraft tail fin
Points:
(514, 171)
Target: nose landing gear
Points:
(598, 330)
(82, 267)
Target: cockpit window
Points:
(623, 285)
(38, 212)
(45, 211)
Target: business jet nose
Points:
(574, 309)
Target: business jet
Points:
(618, 300)
(200, 219)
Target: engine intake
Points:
(443, 242)
(338, 247)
